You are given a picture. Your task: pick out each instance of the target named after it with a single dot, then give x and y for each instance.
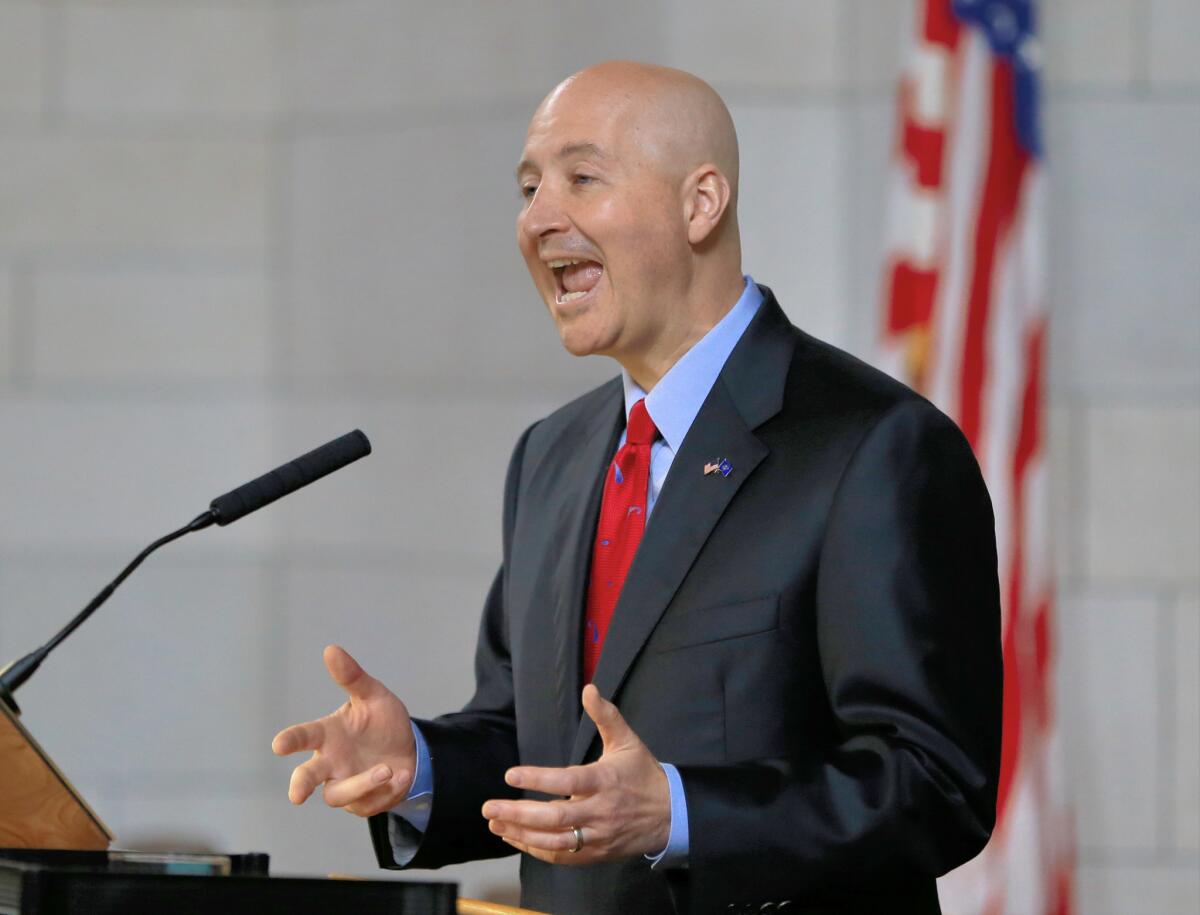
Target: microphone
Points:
(288, 478)
(223, 510)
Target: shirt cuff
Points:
(415, 809)
(676, 852)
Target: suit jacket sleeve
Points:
(472, 749)
(908, 628)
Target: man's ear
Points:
(707, 197)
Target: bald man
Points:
(742, 653)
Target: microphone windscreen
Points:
(291, 476)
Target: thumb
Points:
(348, 674)
(614, 731)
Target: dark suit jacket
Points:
(813, 640)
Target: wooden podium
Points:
(39, 807)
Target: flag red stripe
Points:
(1024, 683)
(910, 299)
(1006, 164)
(1012, 737)
(1029, 437)
(1028, 448)
(941, 26)
(924, 148)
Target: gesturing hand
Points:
(363, 753)
(621, 803)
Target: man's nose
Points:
(544, 215)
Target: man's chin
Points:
(577, 347)
(580, 342)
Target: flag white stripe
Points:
(967, 151)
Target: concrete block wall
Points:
(230, 231)
(1123, 129)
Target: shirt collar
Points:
(679, 394)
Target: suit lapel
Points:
(578, 512)
(747, 393)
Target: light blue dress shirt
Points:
(673, 405)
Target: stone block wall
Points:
(232, 230)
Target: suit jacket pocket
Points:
(715, 624)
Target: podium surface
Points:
(70, 883)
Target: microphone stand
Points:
(19, 671)
(226, 509)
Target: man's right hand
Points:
(363, 753)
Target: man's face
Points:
(602, 224)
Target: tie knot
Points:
(640, 429)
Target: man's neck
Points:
(648, 368)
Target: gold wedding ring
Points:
(578, 839)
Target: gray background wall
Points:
(232, 230)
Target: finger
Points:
(383, 798)
(349, 675)
(342, 791)
(558, 841)
(306, 777)
(517, 845)
(545, 815)
(536, 852)
(553, 857)
(573, 780)
(610, 724)
(307, 736)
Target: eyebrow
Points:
(567, 151)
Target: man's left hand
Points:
(621, 803)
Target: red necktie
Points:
(622, 520)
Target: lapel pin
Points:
(721, 466)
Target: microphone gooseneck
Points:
(223, 510)
(19, 671)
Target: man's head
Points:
(630, 173)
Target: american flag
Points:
(964, 322)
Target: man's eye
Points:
(584, 179)
(528, 190)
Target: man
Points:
(778, 564)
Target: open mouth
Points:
(574, 278)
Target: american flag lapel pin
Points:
(721, 466)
